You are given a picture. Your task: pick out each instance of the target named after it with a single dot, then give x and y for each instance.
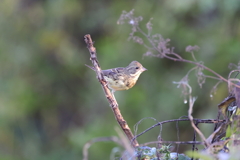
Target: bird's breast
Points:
(120, 83)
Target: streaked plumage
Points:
(123, 78)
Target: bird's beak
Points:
(144, 69)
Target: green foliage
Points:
(199, 155)
(164, 153)
(147, 153)
(229, 131)
(51, 104)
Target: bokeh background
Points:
(51, 104)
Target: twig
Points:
(229, 75)
(100, 139)
(173, 142)
(194, 137)
(178, 58)
(176, 120)
(111, 100)
(191, 102)
(125, 143)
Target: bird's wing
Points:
(113, 71)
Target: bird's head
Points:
(135, 68)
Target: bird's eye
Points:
(137, 67)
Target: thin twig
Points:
(229, 75)
(180, 59)
(176, 120)
(193, 56)
(113, 103)
(191, 102)
(125, 142)
(100, 139)
(212, 77)
(172, 142)
(194, 137)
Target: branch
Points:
(180, 59)
(177, 120)
(191, 102)
(173, 142)
(113, 103)
(100, 139)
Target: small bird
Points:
(123, 78)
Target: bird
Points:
(122, 78)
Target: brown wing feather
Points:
(113, 71)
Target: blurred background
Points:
(51, 104)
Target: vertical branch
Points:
(194, 136)
(191, 102)
(111, 100)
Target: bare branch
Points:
(191, 102)
(160, 45)
(176, 120)
(172, 142)
(214, 88)
(109, 96)
(229, 75)
(100, 139)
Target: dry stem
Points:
(178, 120)
(100, 139)
(191, 102)
(109, 96)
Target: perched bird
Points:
(123, 78)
